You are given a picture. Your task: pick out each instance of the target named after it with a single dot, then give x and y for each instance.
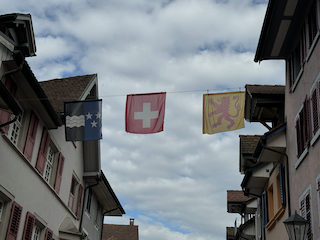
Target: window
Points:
(98, 215)
(14, 129)
(296, 61)
(50, 162)
(75, 197)
(312, 24)
(1, 208)
(89, 199)
(270, 202)
(303, 128)
(36, 233)
(273, 200)
(305, 211)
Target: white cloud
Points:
(174, 183)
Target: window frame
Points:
(89, 200)
(75, 196)
(1, 209)
(15, 129)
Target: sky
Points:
(174, 183)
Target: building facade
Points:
(290, 32)
(45, 182)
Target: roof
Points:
(16, 30)
(248, 143)
(265, 103)
(282, 22)
(265, 89)
(237, 196)
(120, 232)
(68, 89)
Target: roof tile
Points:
(63, 90)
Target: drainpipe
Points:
(18, 69)
(103, 218)
(287, 170)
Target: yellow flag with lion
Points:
(223, 112)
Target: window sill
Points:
(275, 218)
(88, 214)
(301, 158)
(296, 80)
(315, 138)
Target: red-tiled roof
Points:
(63, 90)
(120, 232)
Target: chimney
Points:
(131, 221)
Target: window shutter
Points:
(265, 208)
(315, 113)
(79, 201)
(42, 155)
(305, 209)
(282, 185)
(299, 142)
(49, 234)
(31, 137)
(5, 116)
(28, 226)
(14, 222)
(59, 173)
(303, 46)
(306, 122)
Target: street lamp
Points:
(296, 226)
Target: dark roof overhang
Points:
(282, 22)
(7, 102)
(105, 194)
(17, 29)
(272, 145)
(255, 179)
(264, 103)
(29, 85)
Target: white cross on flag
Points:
(145, 113)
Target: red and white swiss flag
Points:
(145, 113)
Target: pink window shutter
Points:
(49, 234)
(14, 222)
(43, 150)
(28, 226)
(79, 201)
(59, 173)
(31, 137)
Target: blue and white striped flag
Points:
(83, 120)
